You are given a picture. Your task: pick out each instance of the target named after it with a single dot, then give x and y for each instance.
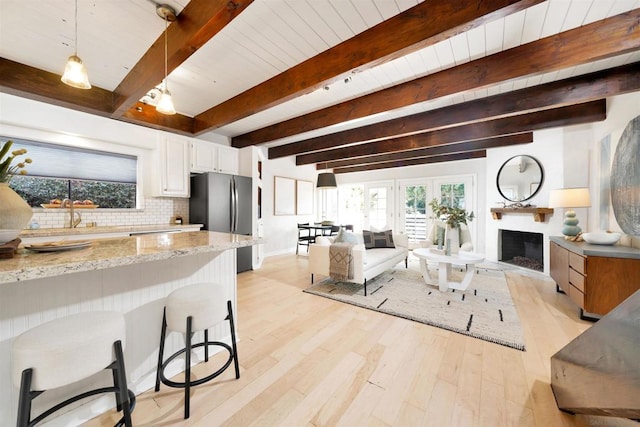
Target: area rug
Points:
(485, 310)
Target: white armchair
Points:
(466, 244)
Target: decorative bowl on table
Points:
(601, 238)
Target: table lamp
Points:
(570, 198)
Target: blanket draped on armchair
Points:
(341, 261)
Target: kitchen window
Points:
(93, 177)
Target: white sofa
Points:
(368, 263)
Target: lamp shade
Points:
(570, 198)
(75, 74)
(326, 180)
(165, 103)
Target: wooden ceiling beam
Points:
(462, 147)
(588, 87)
(39, 85)
(564, 116)
(413, 162)
(404, 33)
(196, 24)
(609, 37)
(146, 115)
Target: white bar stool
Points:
(188, 310)
(66, 350)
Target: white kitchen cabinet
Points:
(228, 160)
(204, 157)
(174, 166)
(211, 157)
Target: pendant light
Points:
(75, 73)
(326, 180)
(165, 103)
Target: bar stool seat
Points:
(66, 350)
(188, 310)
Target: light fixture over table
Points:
(326, 180)
(75, 73)
(165, 103)
(570, 198)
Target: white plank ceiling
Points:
(271, 36)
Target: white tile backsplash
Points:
(156, 211)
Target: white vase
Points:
(452, 239)
(15, 213)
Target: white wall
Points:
(281, 231)
(570, 158)
(547, 148)
(620, 110)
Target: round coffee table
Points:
(468, 259)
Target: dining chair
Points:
(305, 236)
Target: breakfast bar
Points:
(132, 275)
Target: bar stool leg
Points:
(116, 385)
(122, 393)
(206, 347)
(187, 379)
(233, 339)
(163, 333)
(24, 402)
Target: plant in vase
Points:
(452, 217)
(15, 213)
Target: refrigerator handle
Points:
(235, 204)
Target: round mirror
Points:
(520, 178)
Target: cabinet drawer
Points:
(576, 279)
(576, 296)
(577, 262)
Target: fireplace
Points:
(521, 248)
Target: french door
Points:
(365, 205)
(415, 195)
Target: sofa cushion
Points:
(348, 237)
(383, 239)
(377, 256)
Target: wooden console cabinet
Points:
(596, 277)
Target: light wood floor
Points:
(310, 361)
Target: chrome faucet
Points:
(73, 221)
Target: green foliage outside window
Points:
(37, 191)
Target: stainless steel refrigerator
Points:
(222, 202)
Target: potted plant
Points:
(452, 217)
(15, 213)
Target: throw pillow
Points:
(383, 239)
(347, 237)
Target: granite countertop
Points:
(609, 251)
(115, 252)
(46, 232)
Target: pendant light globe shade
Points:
(165, 103)
(75, 74)
(326, 180)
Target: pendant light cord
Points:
(75, 36)
(166, 83)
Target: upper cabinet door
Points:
(211, 157)
(174, 158)
(204, 157)
(228, 160)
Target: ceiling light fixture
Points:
(326, 179)
(165, 103)
(75, 73)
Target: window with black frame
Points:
(87, 177)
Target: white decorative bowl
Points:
(601, 238)
(8, 235)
